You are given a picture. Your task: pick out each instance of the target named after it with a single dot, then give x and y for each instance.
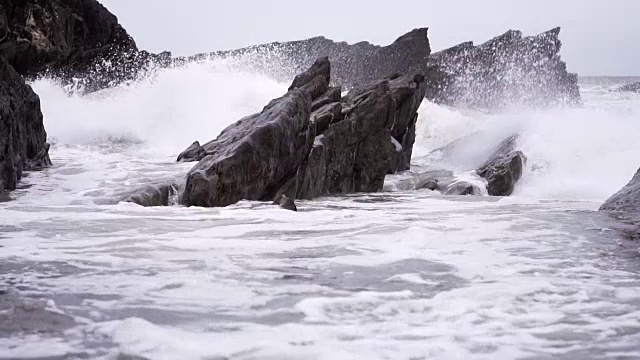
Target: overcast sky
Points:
(601, 37)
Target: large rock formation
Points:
(352, 65)
(71, 39)
(310, 143)
(23, 139)
(505, 71)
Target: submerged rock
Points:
(507, 70)
(286, 203)
(153, 195)
(289, 149)
(76, 40)
(503, 169)
(635, 87)
(445, 182)
(23, 139)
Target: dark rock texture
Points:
(627, 200)
(71, 39)
(352, 65)
(23, 139)
(635, 87)
(153, 195)
(286, 203)
(503, 169)
(507, 70)
(288, 149)
(443, 181)
(625, 207)
(195, 152)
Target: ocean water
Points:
(393, 275)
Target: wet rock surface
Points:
(627, 200)
(342, 147)
(504, 168)
(23, 139)
(75, 41)
(352, 64)
(507, 70)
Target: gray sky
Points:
(601, 37)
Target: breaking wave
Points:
(574, 153)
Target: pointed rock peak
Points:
(415, 34)
(320, 68)
(554, 33)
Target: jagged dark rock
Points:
(195, 152)
(635, 87)
(72, 40)
(352, 65)
(23, 139)
(285, 202)
(627, 200)
(625, 206)
(504, 168)
(289, 150)
(153, 195)
(507, 70)
(443, 181)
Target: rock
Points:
(195, 152)
(460, 188)
(253, 158)
(288, 149)
(504, 168)
(23, 139)
(374, 138)
(627, 200)
(286, 203)
(77, 40)
(509, 70)
(153, 195)
(635, 87)
(445, 182)
(505, 71)
(352, 65)
(625, 207)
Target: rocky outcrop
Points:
(625, 206)
(23, 139)
(635, 87)
(443, 181)
(352, 65)
(505, 71)
(509, 70)
(346, 145)
(71, 39)
(503, 169)
(627, 200)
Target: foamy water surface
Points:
(395, 275)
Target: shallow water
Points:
(395, 275)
